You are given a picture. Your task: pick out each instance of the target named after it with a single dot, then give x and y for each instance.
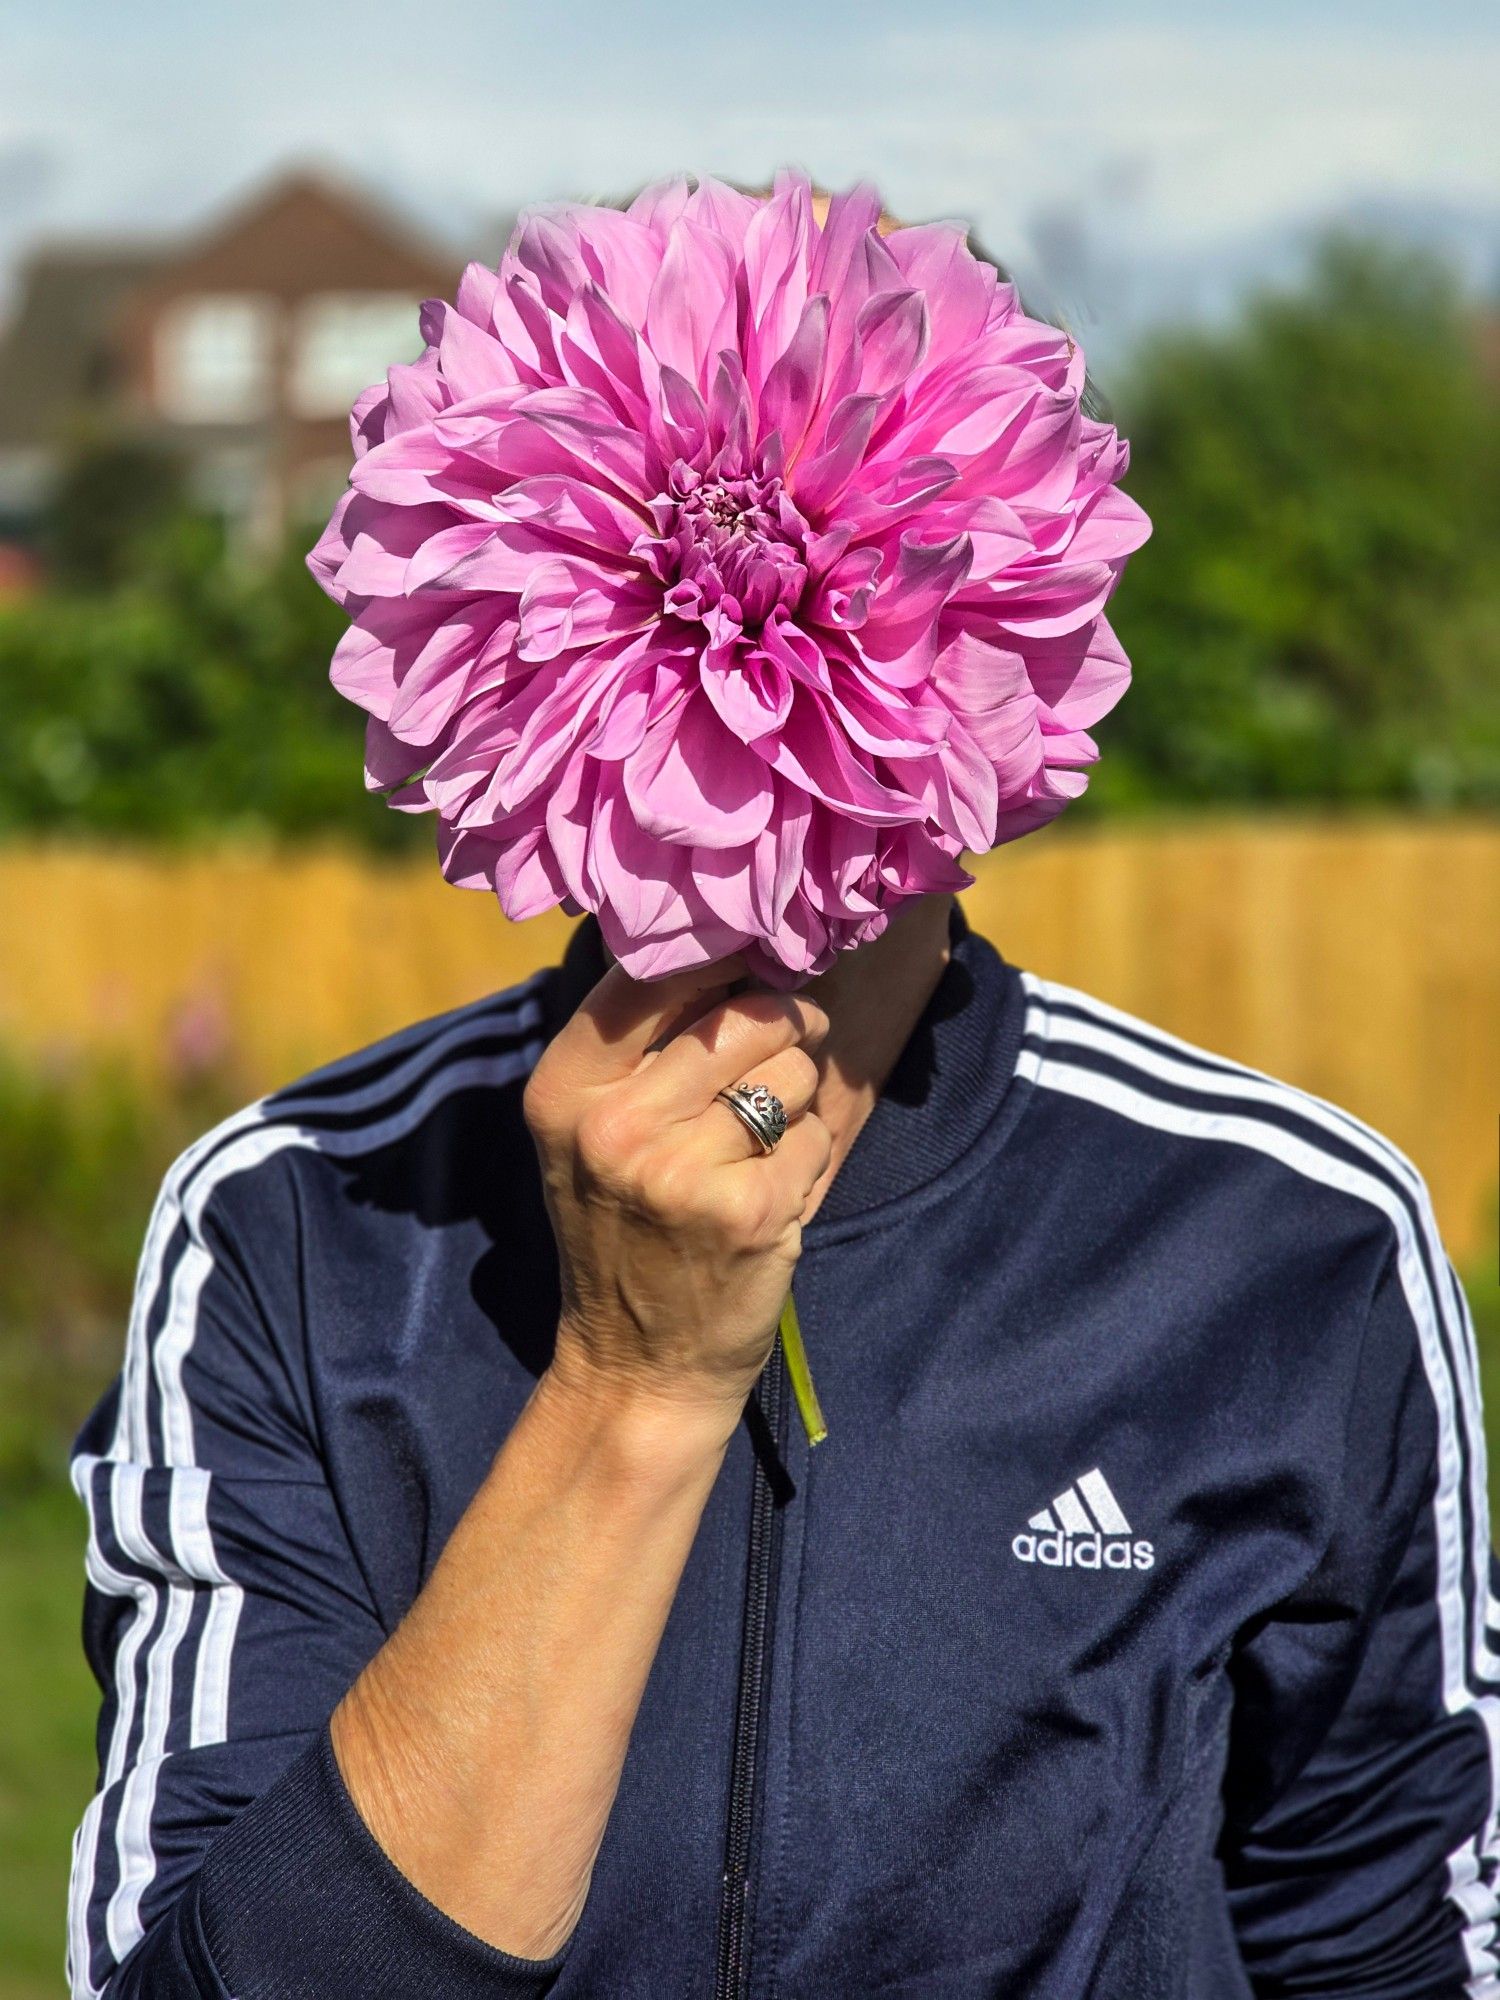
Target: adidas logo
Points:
(1084, 1528)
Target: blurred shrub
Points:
(1317, 616)
(113, 495)
(82, 1153)
(193, 699)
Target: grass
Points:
(47, 1701)
(46, 1733)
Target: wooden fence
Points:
(1359, 960)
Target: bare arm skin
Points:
(483, 1744)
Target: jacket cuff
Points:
(296, 1896)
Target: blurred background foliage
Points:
(1318, 616)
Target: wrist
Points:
(635, 1432)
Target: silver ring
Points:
(759, 1110)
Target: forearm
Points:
(483, 1744)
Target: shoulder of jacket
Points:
(1155, 1082)
(372, 1098)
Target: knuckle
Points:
(802, 1072)
(666, 1186)
(541, 1104)
(814, 1022)
(771, 1015)
(744, 1213)
(605, 1139)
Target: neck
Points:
(874, 997)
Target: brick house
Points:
(239, 348)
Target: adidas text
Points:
(1084, 1528)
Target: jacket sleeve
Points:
(225, 1615)
(1360, 1846)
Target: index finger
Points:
(620, 1018)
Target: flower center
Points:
(729, 551)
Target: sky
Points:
(1128, 162)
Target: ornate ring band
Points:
(759, 1110)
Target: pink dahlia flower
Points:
(728, 575)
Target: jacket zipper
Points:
(735, 1904)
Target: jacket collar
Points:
(942, 1095)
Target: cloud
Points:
(1159, 135)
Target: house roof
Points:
(305, 230)
(82, 306)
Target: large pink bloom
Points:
(728, 575)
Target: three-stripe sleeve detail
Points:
(172, 1666)
(1083, 1048)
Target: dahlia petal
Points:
(717, 206)
(811, 753)
(852, 216)
(1112, 527)
(570, 808)
(415, 393)
(587, 430)
(367, 418)
(960, 789)
(935, 259)
(384, 544)
(776, 268)
(390, 764)
(817, 481)
(467, 859)
(1052, 601)
(477, 291)
(990, 692)
(552, 711)
(643, 877)
(331, 549)
(542, 327)
(724, 877)
(526, 876)
(1079, 677)
(466, 767)
(572, 511)
(685, 315)
(750, 691)
(926, 575)
(892, 330)
(468, 556)
(692, 782)
(546, 249)
(568, 602)
(621, 255)
(658, 206)
(777, 859)
(684, 414)
(362, 669)
(842, 595)
(596, 325)
(792, 387)
(471, 359)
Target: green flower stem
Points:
(801, 1374)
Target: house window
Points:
(345, 341)
(214, 359)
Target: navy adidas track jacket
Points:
(1128, 1640)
